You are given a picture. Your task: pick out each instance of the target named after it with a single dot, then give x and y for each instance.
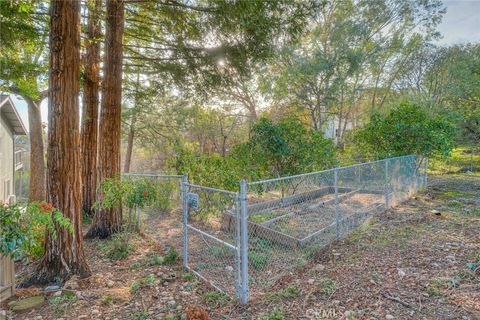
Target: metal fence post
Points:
(337, 212)
(387, 187)
(238, 245)
(425, 174)
(244, 240)
(185, 220)
(139, 217)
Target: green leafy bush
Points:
(287, 148)
(22, 229)
(406, 129)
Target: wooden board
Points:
(7, 278)
(257, 230)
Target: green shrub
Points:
(406, 129)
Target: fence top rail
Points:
(153, 175)
(253, 183)
(231, 193)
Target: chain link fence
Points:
(243, 243)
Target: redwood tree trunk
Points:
(37, 158)
(108, 221)
(64, 253)
(91, 88)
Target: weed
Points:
(136, 285)
(474, 212)
(218, 251)
(106, 300)
(436, 286)
(143, 282)
(140, 315)
(149, 280)
(66, 297)
(215, 298)
(276, 314)
(258, 260)
(466, 274)
(288, 292)
(188, 277)
(136, 265)
(171, 257)
(155, 260)
(454, 204)
(327, 286)
(119, 247)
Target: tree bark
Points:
(37, 155)
(91, 88)
(64, 253)
(109, 221)
(128, 154)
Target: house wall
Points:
(6, 161)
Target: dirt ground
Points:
(417, 261)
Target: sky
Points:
(461, 24)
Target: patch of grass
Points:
(260, 218)
(454, 204)
(327, 286)
(137, 265)
(155, 260)
(218, 251)
(288, 292)
(438, 285)
(475, 212)
(188, 277)
(456, 193)
(463, 159)
(215, 298)
(65, 297)
(465, 274)
(119, 247)
(147, 281)
(106, 300)
(135, 286)
(276, 314)
(258, 260)
(140, 315)
(171, 257)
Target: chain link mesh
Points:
(213, 237)
(293, 218)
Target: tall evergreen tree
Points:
(64, 253)
(108, 221)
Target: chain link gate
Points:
(212, 237)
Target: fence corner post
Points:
(244, 241)
(185, 220)
(387, 187)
